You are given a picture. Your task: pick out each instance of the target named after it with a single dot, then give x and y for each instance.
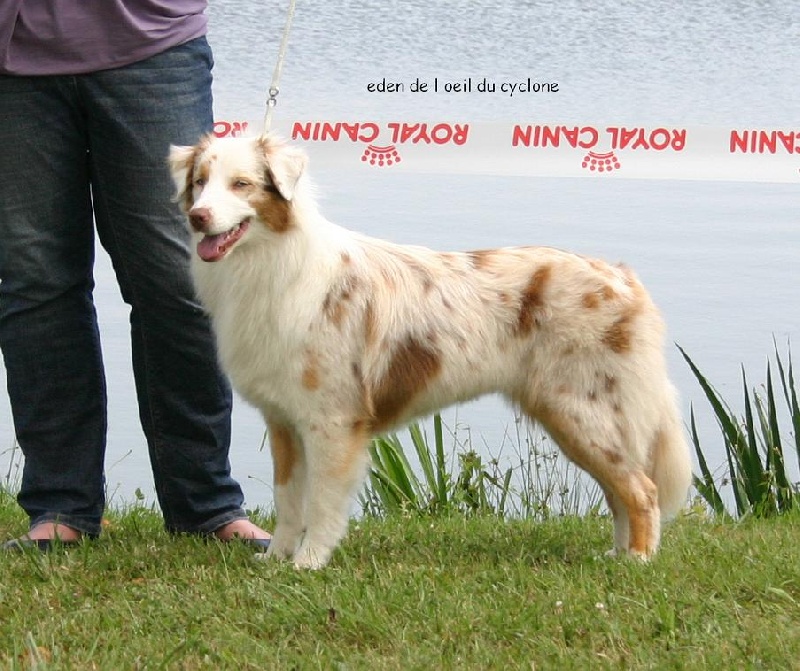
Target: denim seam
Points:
(151, 431)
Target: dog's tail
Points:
(671, 463)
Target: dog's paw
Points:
(622, 553)
(284, 551)
(311, 557)
(284, 543)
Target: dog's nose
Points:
(200, 218)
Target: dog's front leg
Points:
(289, 464)
(337, 459)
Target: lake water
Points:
(721, 259)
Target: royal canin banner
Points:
(602, 151)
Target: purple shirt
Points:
(63, 37)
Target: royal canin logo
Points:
(589, 137)
(369, 132)
(765, 142)
(393, 133)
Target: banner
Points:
(601, 151)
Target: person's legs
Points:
(48, 329)
(134, 113)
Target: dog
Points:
(335, 337)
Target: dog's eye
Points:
(241, 184)
(199, 181)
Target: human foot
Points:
(242, 530)
(51, 531)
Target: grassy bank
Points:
(409, 593)
(432, 577)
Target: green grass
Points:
(409, 592)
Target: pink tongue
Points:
(214, 247)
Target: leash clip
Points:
(273, 89)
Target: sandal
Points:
(260, 544)
(43, 545)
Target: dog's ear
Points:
(285, 165)
(181, 165)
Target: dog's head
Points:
(226, 186)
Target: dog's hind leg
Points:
(621, 523)
(289, 466)
(595, 445)
(640, 498)
(337, 463)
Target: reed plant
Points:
(535, 482)
(13, 469)
(755, 445)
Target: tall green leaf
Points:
(705, 484)
(790, 394)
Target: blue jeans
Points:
(78, 149)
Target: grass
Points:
(409, 592)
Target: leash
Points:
(272, 100)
